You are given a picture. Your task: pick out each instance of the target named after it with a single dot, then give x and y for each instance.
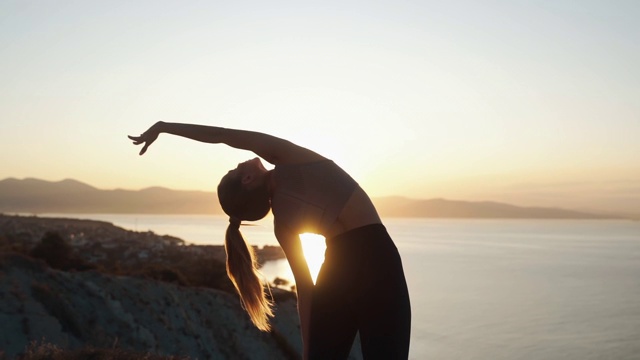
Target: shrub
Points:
(163, 273)
(278, 282)
(55, 251)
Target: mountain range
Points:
(71, 196)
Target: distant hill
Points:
(441, 208)
(71, 196)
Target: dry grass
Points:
(45, 351)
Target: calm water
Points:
(492, 289)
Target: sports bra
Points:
(309, 197)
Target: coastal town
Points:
(109, 248)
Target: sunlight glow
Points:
(313, 247)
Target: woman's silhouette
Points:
(361, 285)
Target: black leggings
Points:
(360, 287)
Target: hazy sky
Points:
(530, 101)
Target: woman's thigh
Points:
(333, 324)
(384, 317)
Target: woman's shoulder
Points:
(303, 164)
(312, 171)
(293, 154)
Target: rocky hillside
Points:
(77, 309)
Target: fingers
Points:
(144, 149)
(143, 139)
(137, 140)
(147, 143)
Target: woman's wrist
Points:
(161, 126)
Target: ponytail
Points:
(242, 270)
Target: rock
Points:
(77, 309)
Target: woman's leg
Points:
(381, 294)
(385, 314)
(333, 322)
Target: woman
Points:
(361, 285)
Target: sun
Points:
(313, 247)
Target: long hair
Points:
(242, 270)
(241, 204)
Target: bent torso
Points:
(358, 211)
(319, 197)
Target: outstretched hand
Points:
(147, 137)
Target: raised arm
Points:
(273, 149)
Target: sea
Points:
(488, 289)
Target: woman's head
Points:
(244, 191)
(244, 195)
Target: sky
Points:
(529, 102)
